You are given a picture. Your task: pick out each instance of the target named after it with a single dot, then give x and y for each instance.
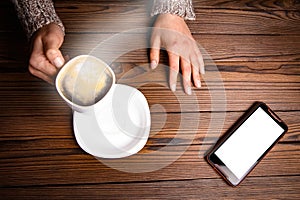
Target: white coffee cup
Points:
(85, 82)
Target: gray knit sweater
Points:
(35, 14)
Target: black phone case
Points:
(240, 121)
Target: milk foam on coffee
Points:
(86, 81)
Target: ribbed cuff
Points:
(34, 14)
(182, 8)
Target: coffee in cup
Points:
(84, 81)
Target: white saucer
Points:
(118, 129)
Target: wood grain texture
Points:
(189, 189)
(252, 53)
(269, 85)
(220, 48)
(63, 167)
(215, 17)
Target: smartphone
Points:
(246, 143)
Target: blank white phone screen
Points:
(244, 147)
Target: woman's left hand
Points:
(172, 33)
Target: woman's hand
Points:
(46, 58)
(172, 33)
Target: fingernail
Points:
(173, 87)
(198, 83)
(58, 62)
(153, 64)
(188, 90)
(202, 71)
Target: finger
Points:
(196, 70)
(52, 52)
(174, 69)
(154, 52)
(186, 74)
(196, 76)
(39, 63)
(41, 75)
(199, 60)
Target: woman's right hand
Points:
(46, 59)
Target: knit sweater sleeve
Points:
(182, 8)
(34, 14)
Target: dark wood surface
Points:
(256, 47)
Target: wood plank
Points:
(237, 21)
(220, 48)
(165, 129)
(225, 48)
(209, 21)
(34, 132)
(260, 188)
(262, 84)
(13, 51)
(251, 48)
(77, 168)
(248, 4)
(224, 4)
(218, 17)
(49, 103)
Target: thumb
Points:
(53, 54)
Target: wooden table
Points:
(256, 48)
